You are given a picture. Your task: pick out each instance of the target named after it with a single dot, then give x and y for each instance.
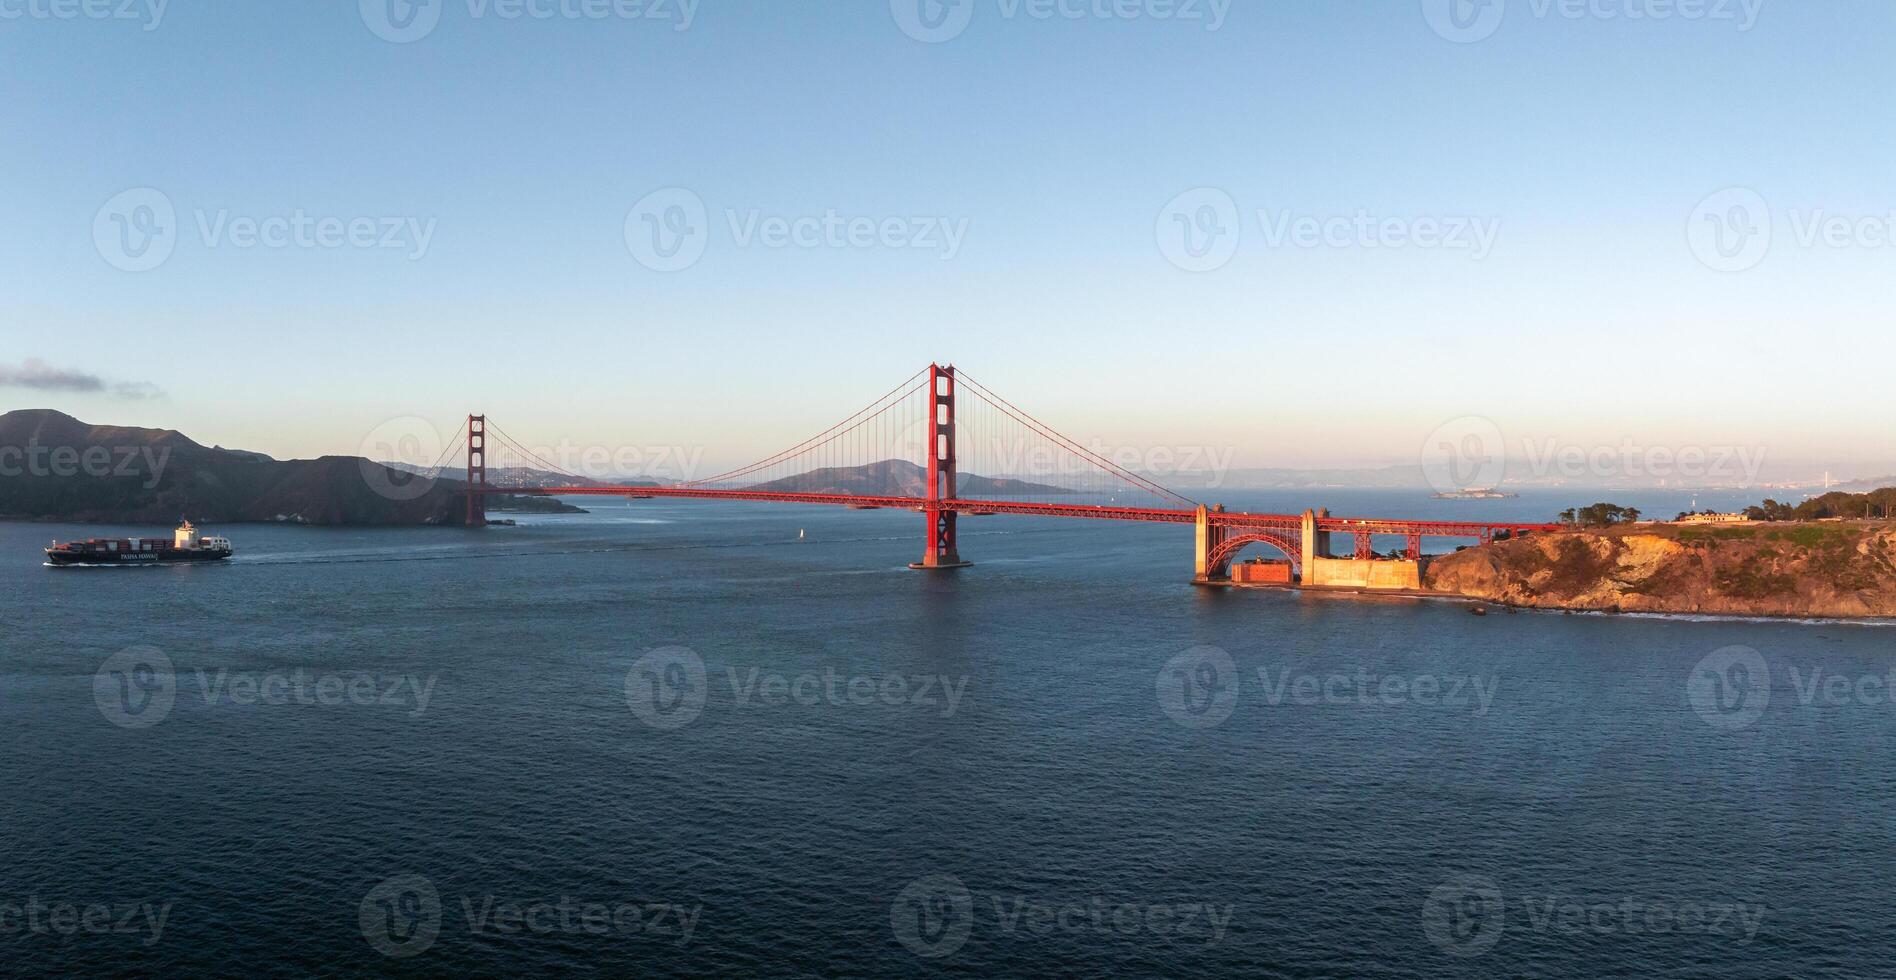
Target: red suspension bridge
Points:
(944, 445)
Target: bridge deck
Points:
(1340, 525)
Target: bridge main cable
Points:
(893, 397)
(987, 394)
(528, 454)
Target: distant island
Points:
(1476, 493)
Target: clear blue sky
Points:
(1589, 141)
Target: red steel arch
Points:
(1290, 544)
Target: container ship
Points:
(185, 545)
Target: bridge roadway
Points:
(1481, 530)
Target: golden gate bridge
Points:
(952, 447)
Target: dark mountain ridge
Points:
(55, 467)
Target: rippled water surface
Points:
(673, 739)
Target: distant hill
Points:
(899, 478)
(55, 467)
(528, 478)
(1388, 477)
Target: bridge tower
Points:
(939, 549)
(476, 470)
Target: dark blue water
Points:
(417, 752)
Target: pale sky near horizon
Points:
(1604, 185)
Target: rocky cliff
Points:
(1845, 569)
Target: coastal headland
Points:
(1828, 568)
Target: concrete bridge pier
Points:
(1361, 571)
(1364, 571)
(1210, 536)
(1316, 544)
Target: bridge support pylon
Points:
(476, 470)
(1210, 536)
(1316, 544)
(939, 550)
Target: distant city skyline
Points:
(1312, 235)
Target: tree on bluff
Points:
(1599, 515)
(1875, 504)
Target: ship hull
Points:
(168, 556)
